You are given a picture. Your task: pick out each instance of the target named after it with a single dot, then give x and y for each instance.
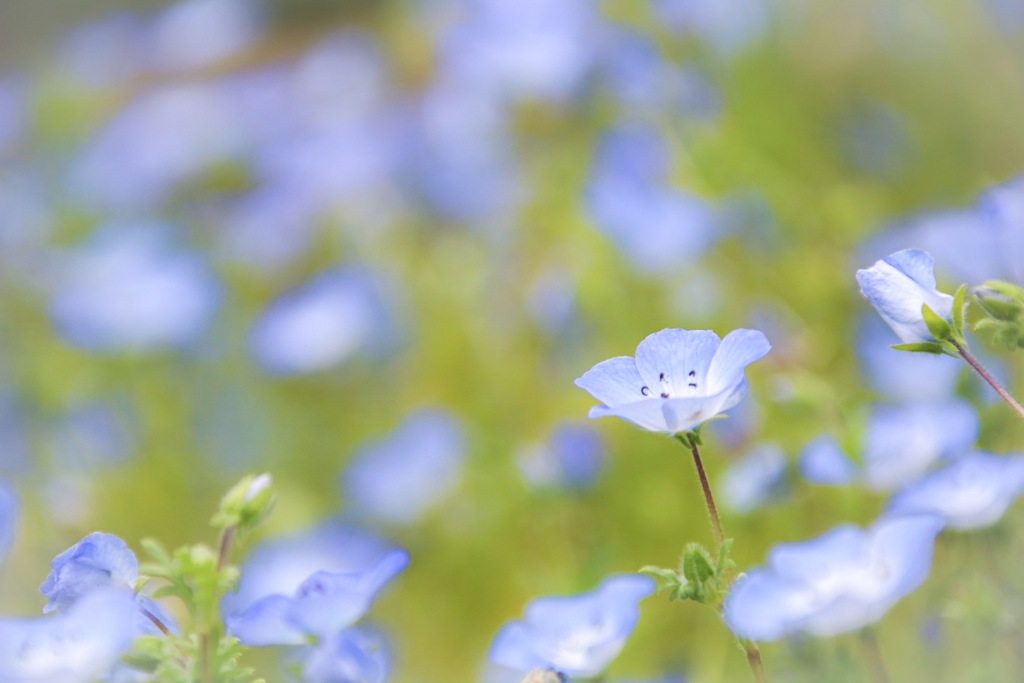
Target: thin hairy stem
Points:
(973, 362)
(754, 661)
(873, 655)
(709, 499)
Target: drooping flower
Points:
(972, 492)
(678, 379)
(840, 581)
(577, 635)
(75, 646)
(399, 477)
(898, 286)
(315, 583)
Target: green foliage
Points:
(699, 578)
(1003, 304)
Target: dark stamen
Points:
(664, 394)
(693, 373)
(645, 391)
(693, 384)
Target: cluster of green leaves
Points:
(699, 578)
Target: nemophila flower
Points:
(678, 380)
(98, 560)
(324, 604)
(842, 580)
(1002, 207)
(657, 226)
(317, 579)
(76, 646)
(128, 290)
(8, 517)
(194, 33)
(901, 442)
(898, 286)
(323, 322)
(754, 479)
(398, 478)
(577, 635)
(359, 654)
(822, 461)
(974, 491)
(572, 457)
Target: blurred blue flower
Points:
(754, 479)
(398, 478)
(678, 380)
(901, 442)
(840, 581)
(531, 49)
(194, 33)
(903, 376)
(9, 506)
(898, 286)
(577, 635)
(90, 435)
(358, 654)
(98, 560)
(76, 646)
(974, 491)
(14, 453)
(1002, 207)
(323, 604)
(324, 322)
(822, 461)
(658, 227)
(275, 572)
(726, 25)
(109, 51)
(14, 109)
(127, 290)
(572, 457)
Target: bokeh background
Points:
(367, 246)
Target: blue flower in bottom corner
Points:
(840, 581)
(972, 492)
(71, 647)
(577, 635)
(678, 380)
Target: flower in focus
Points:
(903, 441)
(577, 635)
(898, 286)
(398, 478)
(679, 378)
(840, 581)
(972, 492)
(75, 646)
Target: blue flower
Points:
(126, 290)
(903, 376)
(840, 581)
(398, 478)
(195, 33)
(324, 604)
(355, 655)
(822, 461)
(679, 378)
(898, 286)
(577, 635)
(974, 491)
(903, 441)
(727, 25)
(76, 646)
(317, 582)
(98, 560)
(323, 322)
(8, 517)
(754, 479)
(1002, 207)
(572, 457)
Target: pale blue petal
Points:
(667, 358)
(739, 349)
(98, 560)
(898, 295)
(822, 461)
(266, 622)
(916, 264)
(613, 382)
(646, 413)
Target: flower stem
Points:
(226, 537)
(709, 500)
(874, 656)
(973, 362)
(754, 660)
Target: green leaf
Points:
(921, 347)
(958, 310)
(697, 565)
(937, 325)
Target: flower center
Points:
(666, 384)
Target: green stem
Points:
(709, 499)
(973, 362)
(873, 654)
(754, 660)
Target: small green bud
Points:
(246, 503)
(697, 566)
(1001, 300)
